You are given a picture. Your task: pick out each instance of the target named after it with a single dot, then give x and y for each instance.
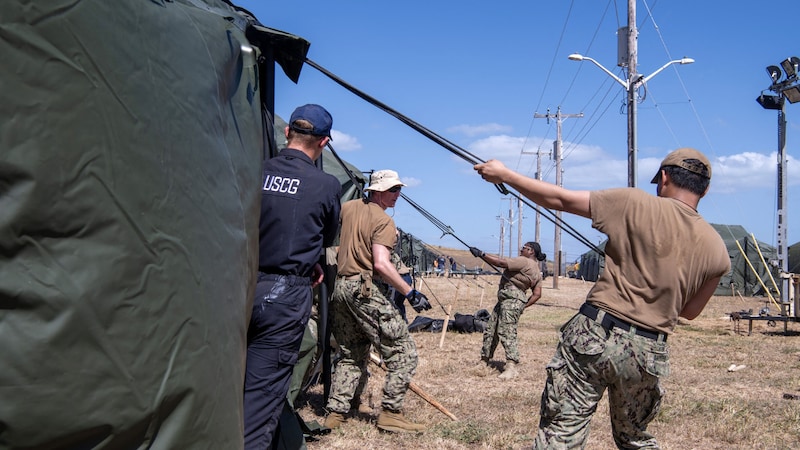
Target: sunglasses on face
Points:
(394, 189)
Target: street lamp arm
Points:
(674, 61)
(579, 57)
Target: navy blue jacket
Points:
(299, 214)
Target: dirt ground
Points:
(707, 405)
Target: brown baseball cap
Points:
(681, 157)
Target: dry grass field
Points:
(706, 405)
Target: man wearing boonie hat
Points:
(362, 315)
(299, 217)
(662, 262)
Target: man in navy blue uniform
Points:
(299, 217)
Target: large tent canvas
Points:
(133, 134)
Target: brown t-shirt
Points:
(522, 272)
(659, 253)
(362, 225)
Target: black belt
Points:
(610, 322)
(350, 277)
(292, 280)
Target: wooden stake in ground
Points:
(417, 390)
(444, 325)
(447, 318)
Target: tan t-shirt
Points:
(362, 225)
(522, 272)
(660, 251)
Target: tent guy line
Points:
(453, 148)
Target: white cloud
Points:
(411, 181)
(475, 130)
(748, 170)
(503, 147)
(589, 167)
(344, 142)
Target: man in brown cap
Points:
(663, 261)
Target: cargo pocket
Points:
(392, 326)
(655, 359)
(584, 335)
(287, 357)
(554, 389)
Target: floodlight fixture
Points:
(792, 94)
(790, 66)
(769, 101)
(774, 73)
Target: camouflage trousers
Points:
(588, 360)
(358, 322)
(502, 327)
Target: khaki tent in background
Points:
(132, 140)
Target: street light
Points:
(631, 86)
(786, 89)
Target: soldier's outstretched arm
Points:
(540, 192)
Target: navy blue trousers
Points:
(281, 310)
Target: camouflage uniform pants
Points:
(358, 322)
(502, 327)
(588, 360)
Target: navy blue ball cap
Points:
(317, 116)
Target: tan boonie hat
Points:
(680, 159)
(382, 180)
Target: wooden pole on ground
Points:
(444, 325)
(418, 390)
(447, 318)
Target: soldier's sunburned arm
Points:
(383, 266)
(695, 305)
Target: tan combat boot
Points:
(364, 408)
(510, 371)
(334, 420)
(396, 422)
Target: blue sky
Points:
(476, 73)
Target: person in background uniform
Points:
(520, 274)
(299, 217)
(361, 314)
(663, 261)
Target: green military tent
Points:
(592, 264)
(133, 135)
(748, 271)
(794, 258)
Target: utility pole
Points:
(502, 234)
(538, 221)
(557, 157)
(519, 221)
(626, 57)
(633, 85)
(510, 227)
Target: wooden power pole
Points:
(557, 158)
